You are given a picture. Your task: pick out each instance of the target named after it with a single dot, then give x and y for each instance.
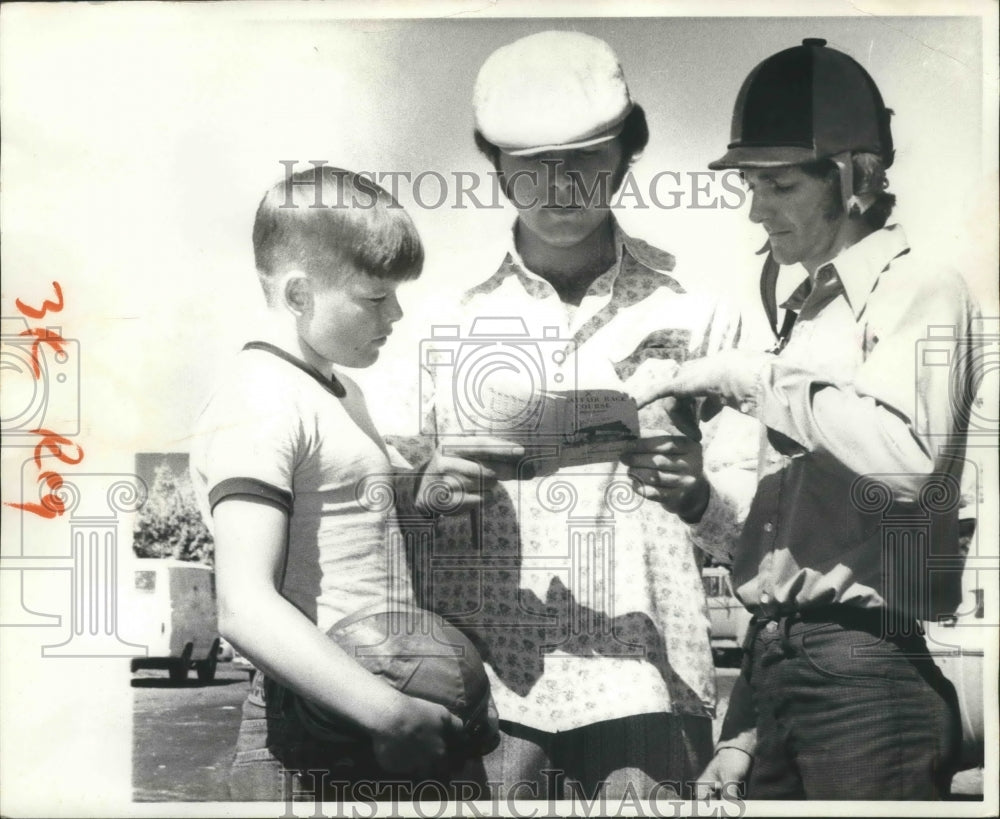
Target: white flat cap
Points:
(555, 90)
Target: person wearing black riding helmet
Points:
(853, 538)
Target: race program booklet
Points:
(564, 427)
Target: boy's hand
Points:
(669, 469)
(416, 737)
(458, 474)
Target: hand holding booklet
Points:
(560, 428)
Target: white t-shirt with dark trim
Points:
(278, 431)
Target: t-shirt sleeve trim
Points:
(251, 488)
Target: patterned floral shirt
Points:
(585, 600)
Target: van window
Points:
(145, 581)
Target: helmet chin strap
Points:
(854, 204)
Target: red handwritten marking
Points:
(52, 479)
(54, 444)
(35, 312)
(43, 337)
(41, 509)
(51, 504)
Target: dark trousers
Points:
(277, 760)
(843, 713)
(652, 756)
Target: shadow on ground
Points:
(165, 682)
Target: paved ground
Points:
(183, 735)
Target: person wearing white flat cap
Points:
(590, 614)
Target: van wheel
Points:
(206, 669)
(179, 668)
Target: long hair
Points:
(869, 180)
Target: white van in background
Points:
(958, 645)
(170, 608)
(727, 616)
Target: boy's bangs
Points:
(386, 245)
(360, 224)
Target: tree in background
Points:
(169, 523)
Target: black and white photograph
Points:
(499, 409)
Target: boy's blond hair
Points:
(327, 221)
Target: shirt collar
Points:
(625, 248)
(860, 265)
(798, 296)
(858, 268)
(330, 384)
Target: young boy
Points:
(280, 458)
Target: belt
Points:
(879, 622)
